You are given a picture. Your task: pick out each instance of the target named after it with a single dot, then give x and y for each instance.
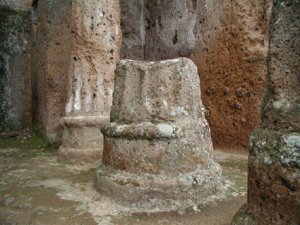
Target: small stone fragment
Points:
(8, 200)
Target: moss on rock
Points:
(271, 146)
(14, 35)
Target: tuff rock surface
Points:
(95, 42)
(51, 49)
(157, 146)
(15, 77)
(274, 162)
(227, 40)
(17, 4)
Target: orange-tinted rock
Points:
(51, 51)
(17, 4)
(55, 33)
(228, 42)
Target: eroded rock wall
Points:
(15, 77)
(50, 64)
(17, 4)
(53, 31)
(228, 42)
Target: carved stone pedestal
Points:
(157, 148)
(82, 139)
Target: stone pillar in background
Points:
(274, 162)
(158, 148)
(227, 40)
(17, 4)
(96, 37)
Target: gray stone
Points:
(274, 161)
(51, 49)
(227, 40)
(8, 200)
(15, 78)
(157, 148)
(17, 4)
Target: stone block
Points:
(157, 148)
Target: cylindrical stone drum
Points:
(158, 148)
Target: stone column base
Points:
(82, 140)
(159, 192)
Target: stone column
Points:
(274, 162)
(96, 36)
(157, 148)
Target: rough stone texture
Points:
(227, 40)
(243, 217)
(283, 105)
(50, 65)
(133, 29)
(15, 78)
(157, 148)
(95, 41)
(81, 145)
(17, 4)
(274, 175)
(274, 162)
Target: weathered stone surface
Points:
(85, 145)
(17, 4)
(95, 41)
(227, 40)
(274, 177)
(283, 107)
(133, 29)
(274, 162)
(15, 78)
(82, 139)
(51, 51)
(157, 148)
(243, 217)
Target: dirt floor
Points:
(36, 188)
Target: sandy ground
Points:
(36, 188)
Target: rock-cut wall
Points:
(51, 51)
(228, 41)
(17, 4)
(15, 77)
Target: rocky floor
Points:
(36, 188)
